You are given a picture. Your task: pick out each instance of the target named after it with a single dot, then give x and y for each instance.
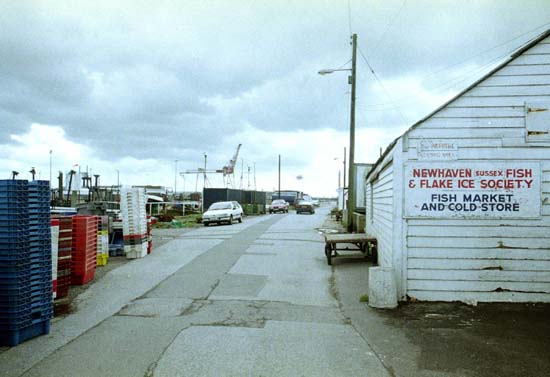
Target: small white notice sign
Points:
(437, 150)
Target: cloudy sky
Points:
(135, 85)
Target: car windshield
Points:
(278, 202)
(220, 205)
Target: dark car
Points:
(304, 206)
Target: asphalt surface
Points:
(258, 299)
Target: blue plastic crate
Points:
(11, 303)
(15, 323)
(14, 274)
(14, 244)
(22, 301)
(39, 183)
(15, 313)
(13, 182)
(8, 208)
(12, 262)
(15, 337)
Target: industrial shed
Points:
(460, 203)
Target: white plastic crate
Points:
(55, 252)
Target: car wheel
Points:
(240, 219)
(206, 224)
(231, 220)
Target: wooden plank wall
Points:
(487, 260)
(379, 214)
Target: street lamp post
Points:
(351, 172)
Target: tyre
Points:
(231, 220)
(206, 224)
(240, 219)
(328, 254)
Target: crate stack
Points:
(25, 309)
(134, 222)
(149, 234)
(41, 249)
(64, 253)
(84, 253)
(55, 250)
(103, 241)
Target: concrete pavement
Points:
(258, 299)
(249, 299)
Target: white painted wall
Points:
(379, 210)
(361, 171)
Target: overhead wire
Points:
(443, 86)
(389, 25)
(484, 51)
(468, 74)
(349, 17)
(381, 84)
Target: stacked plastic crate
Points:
(23, 309)
(149, 235)
(41, 250)
(64, 252)
(55, 248)
(134, 222)
(84, 254)
(103, 241)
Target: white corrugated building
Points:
(460, 203)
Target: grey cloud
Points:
(174, 78)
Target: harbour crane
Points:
(227, 171)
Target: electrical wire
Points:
(349, 17)
(463, 77)
(450, 83)
(389, 25)
(484, 51)
(381, 84)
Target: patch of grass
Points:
(189, 220)
(364, 298)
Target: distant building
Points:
(289, 195)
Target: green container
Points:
(248, 209)
(176, 224)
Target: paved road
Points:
(251, 299)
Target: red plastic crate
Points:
(83, 279)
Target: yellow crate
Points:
(102, 259)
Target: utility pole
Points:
(351, 175)
(248, 184)
(175, 179)
(50, 169)
(279, 177)
(254, 176)
(344, 181)
(204, 177)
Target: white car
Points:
(220, 212)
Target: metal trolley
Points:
(362, 242)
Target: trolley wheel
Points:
(328, 253)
